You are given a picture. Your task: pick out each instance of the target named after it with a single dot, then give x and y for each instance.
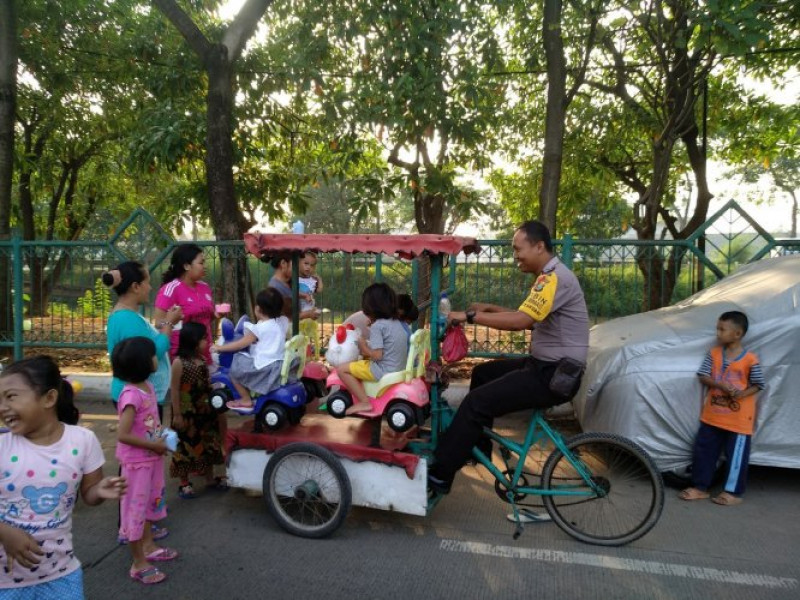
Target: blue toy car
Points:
(285, 404)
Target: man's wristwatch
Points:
(470, 316)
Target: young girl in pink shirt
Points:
(46, 461)
(140, 451)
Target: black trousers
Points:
(497, 388)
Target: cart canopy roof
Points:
(406, 246)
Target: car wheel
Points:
(218, 399)
(273, 417)
(401, 416)
(338, 403)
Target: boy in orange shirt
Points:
(733, 377)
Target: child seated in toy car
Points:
(386, 350)
(258, 368)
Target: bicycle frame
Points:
(538, 429)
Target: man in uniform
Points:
(556, 311)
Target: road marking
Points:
(622, 564)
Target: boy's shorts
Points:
(360, 370)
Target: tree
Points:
(660, 57)
(410, 75)
(8, 97)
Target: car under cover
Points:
(641, 380)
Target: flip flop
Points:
(528, 516)
(186, 492)
(219, 484)
(726, 499)
(148, 576)
(162, 555)
(693, 494)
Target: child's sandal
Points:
(148, 576)
(186, 492)
(219, 483)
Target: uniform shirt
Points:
(389, 335)
(38, 489)
(557, 305)
(146, 424)
(270, 343)
(197, 304)
(719, 410)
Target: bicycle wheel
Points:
(307, 490)
(627, 497)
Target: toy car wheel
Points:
(218, 399)
(273, 417)
(338, 402)
(401, 416)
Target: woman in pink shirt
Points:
(183, 286)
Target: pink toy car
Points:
(401, 396)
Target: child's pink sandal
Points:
(162, 555)
(149, 575)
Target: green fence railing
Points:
(56, 298)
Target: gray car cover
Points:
(641, 377)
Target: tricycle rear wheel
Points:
(307, 490)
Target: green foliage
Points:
(95, 303)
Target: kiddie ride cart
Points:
(285, 404)
(401, 396)
(597, 487)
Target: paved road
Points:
(232, 549)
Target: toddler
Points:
(259, 369)
(140, 450)
(387, 348)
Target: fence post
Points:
(19, 306)
(566, 250)
(379, 268)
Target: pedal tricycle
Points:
(599, 488)
(281, 406)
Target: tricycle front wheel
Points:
(307, 490)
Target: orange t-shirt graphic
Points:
(719, 410)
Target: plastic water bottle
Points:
(444, 310)
(298, 227)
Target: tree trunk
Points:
(8, 100)
(226, 218)
(555, 114)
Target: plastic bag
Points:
(455, 345)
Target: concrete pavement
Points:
(232, 548)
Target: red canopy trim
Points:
(407, 246)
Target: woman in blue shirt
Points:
(131, 281)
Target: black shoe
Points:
(438, 486)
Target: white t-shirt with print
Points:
(271, 341)
(39, 486)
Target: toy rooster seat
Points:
(343, 346)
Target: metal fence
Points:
(57, 299)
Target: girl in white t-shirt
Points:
(46, 461)
(258, 369)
